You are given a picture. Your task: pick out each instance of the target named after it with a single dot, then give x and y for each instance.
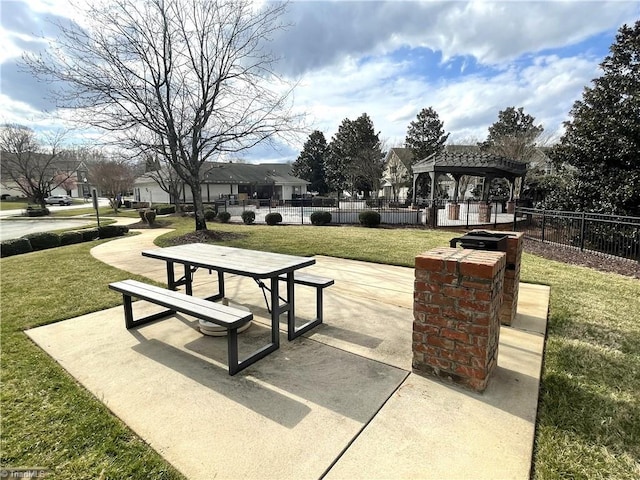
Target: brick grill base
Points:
(456, 328)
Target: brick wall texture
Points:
(457, 299)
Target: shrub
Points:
(224, 217)
(324, 202)
(90, 234)
(43, 240)
(150, 216)
(143, 214)
(248, 217)
(110, 231)
(164, 209)
(69, 238)
(209, 214)
(273, 218)
(15, 246)
(369, 218)
(187, 208)
(320, 217)
(36, 211)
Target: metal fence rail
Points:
(608, 234)
(437, 214)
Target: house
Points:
(235, 181)
(396, 178)
(62, 175)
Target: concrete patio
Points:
(340, 402)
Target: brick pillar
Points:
(456, 328)
(515, 245)
(484, 212)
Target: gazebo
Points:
(468, 161)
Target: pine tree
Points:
(310, 163)
(602, 140)
(425, 135)
(355, 160)
(514, 135)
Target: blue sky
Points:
(467, 60)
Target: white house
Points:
(396, 178)
(239, 181)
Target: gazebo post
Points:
(415, 182)
(453, 212)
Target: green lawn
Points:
(11, 205)
(589, 414)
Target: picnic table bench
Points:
(223, 315)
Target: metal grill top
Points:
(481, 240)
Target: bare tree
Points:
(163, 173)
(194, 74)
(32, 165)
(112, 178)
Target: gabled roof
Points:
(405, 155)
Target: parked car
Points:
(58, 200)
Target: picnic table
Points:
(272, 268)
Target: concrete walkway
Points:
(340, 402)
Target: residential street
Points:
(17, 228)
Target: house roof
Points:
(250, 174)
(405, 155)
(245, 174)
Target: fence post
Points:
(468, 207)
(301, 211)
(582, 231)
(543, 224)
(515, 217)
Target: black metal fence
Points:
(437, 214)
(608, 234)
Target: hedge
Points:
(369, 218)
(15, 246)
(320, 217)
(90, 234)
(209, 214)
(224, 217)
(43, 240)
(272, 218)
(248, 217)
(69, 238)
(110, 231)
(164, 209)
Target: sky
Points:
(389, 59)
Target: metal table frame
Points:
(272, 267)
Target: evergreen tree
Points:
(513, 136)
(310, 163)
(602, 140)
(425, 135)
(355, 160)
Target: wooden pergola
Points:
(473, 162)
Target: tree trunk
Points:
(196, 194)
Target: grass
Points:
(89, 210)
(13, 205)
(589, 413)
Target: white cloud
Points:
(356, 57)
